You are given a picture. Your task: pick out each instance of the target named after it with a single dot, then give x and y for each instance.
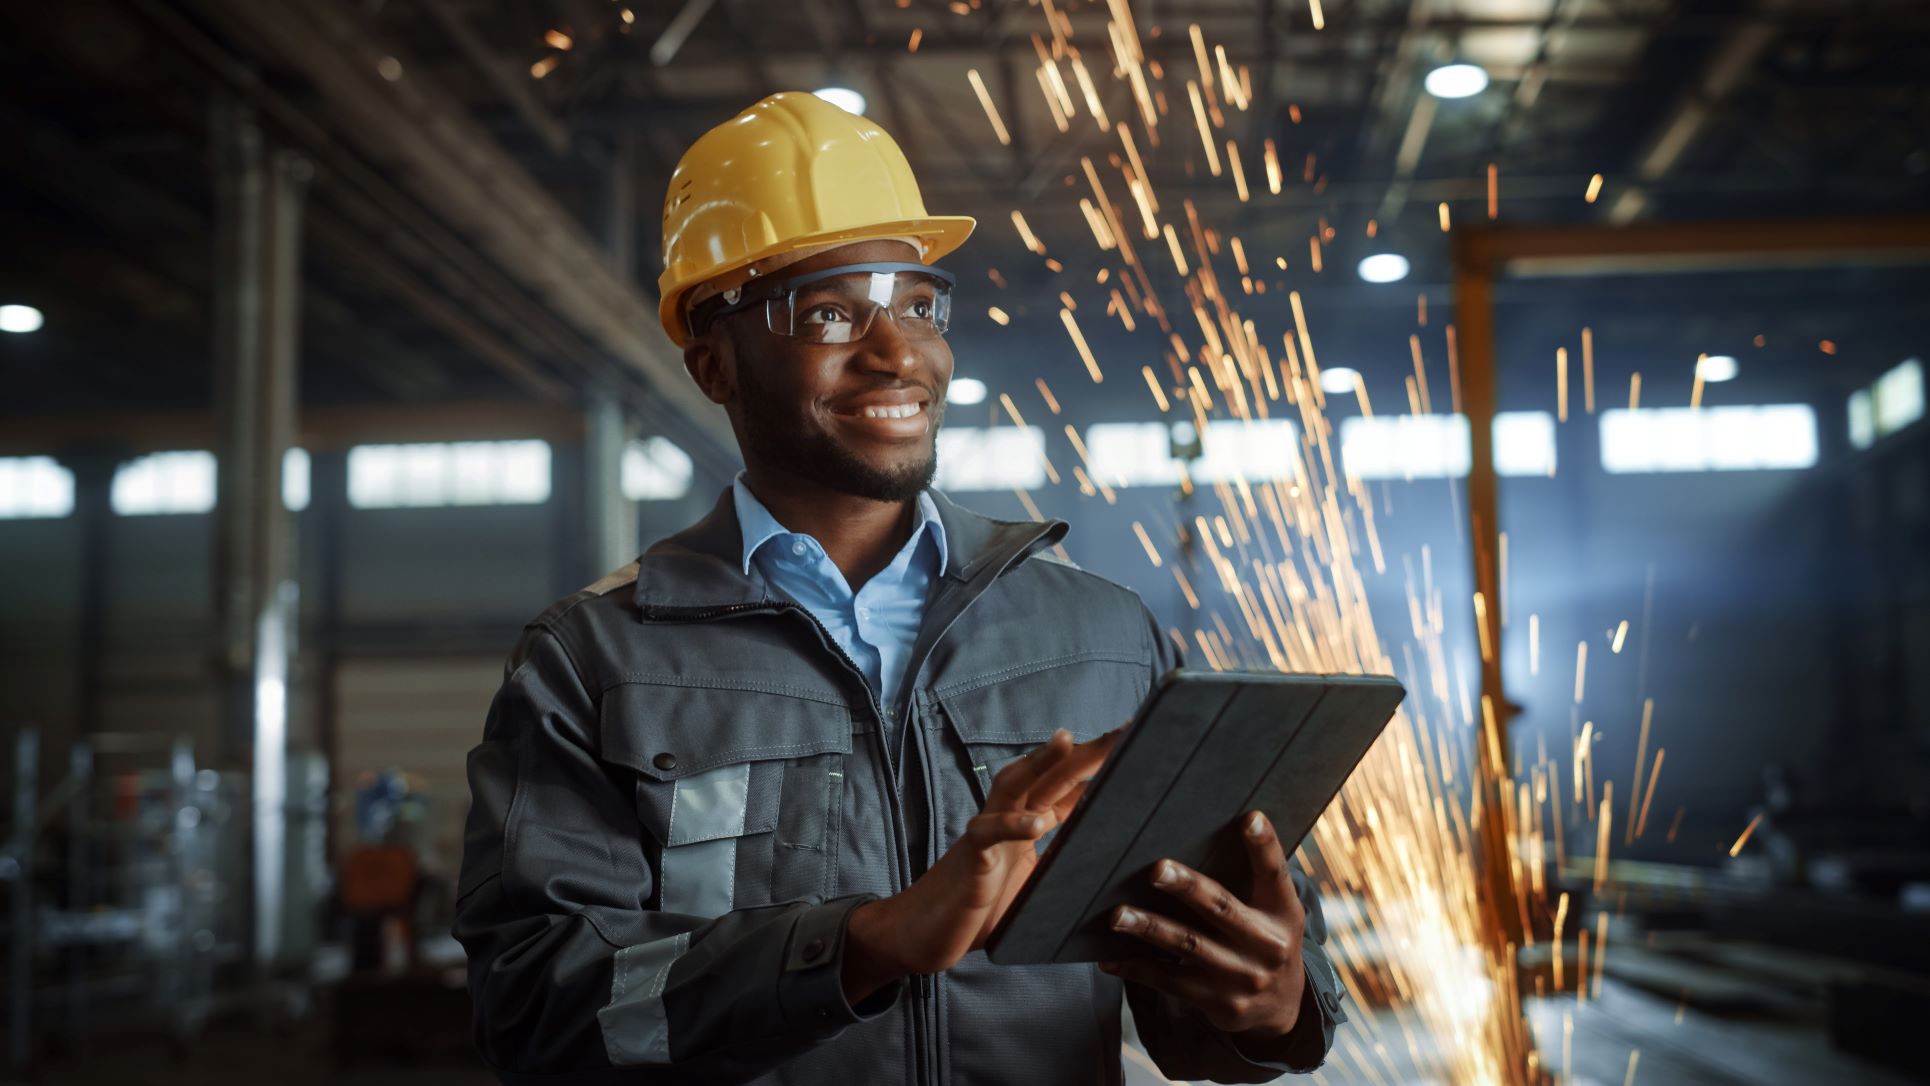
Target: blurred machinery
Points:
(126, 885)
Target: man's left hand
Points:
(1241, 967)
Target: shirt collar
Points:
(760, 527)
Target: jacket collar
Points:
(701, 567)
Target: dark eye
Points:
(920, 309)
(824, 314)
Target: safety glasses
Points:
(839, 305)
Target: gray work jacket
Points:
(684, 787)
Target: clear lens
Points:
(842, 309)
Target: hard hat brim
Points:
(942, 234)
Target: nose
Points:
(884, 347)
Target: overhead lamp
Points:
(1384, 268)
(1338, 380)
(843, 97)
(20, 319)
(1716, 367)
(965, 391)
(1456, 81)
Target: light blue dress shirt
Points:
(875, 625)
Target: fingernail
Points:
(1256, 824)
(1033, 822)
(1126, 920)
(1164, 875)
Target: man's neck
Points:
(859, 535)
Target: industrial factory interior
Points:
(1561, 359)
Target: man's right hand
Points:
(952, 908)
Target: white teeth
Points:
(899, 411)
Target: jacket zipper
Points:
(924, 1011)
(921, 1023)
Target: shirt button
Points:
(814, 950)
(797, 547)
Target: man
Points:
(747, 809)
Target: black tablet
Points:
(1206, 747)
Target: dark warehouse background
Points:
(449, 347)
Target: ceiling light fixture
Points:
(1456, 81)
(1338, 380)
(843, 97)
(20, 319)
(1716, 367)
(965, 391)
(1384, 268)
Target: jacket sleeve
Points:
(573, 977)
(1180, 1039)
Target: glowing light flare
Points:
(1045, 393)
(1271, 156)
(1026, 235)
(1159, 394)
(1736, 849)
(1152, 552)
(991, 111)
(1206, 133)
(1319, 23)
(1079, 341)
(1594, 189)
(999, 316)
(1588, 370)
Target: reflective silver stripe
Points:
(700, 879)
(710, 805)
(700, 862)
(635, 1028)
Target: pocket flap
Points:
(671, 730)
(1088, 695)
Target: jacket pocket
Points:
(1000, 718)
(735, 788)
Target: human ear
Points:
(710, 363)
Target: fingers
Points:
(1273, 889)
(991, 828)
(1190, 945)
(1065, 780)
(1014, 782)
(1185, 983)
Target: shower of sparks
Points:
(1026, 235)
(999, 316)
(1581, 668)
(1079, 341)
(1534, 645)
(1588, 373)
(556, 39)
(1655, 771)
(545, 66)
(1827, 346)
(917, 35)
(1051, 402)
(1319, 23)
(1634, 1057)
(1152, 552)
(991, 111)
(1594, 188)
(1621, 634)
(1444, 216)
(1494, 193)
(1634, 390)
(1641, 752)
(1275, 573)
(1736, 849)
(1561, 384)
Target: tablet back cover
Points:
(1208, 747)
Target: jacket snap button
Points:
(666, 760)
(814, 950)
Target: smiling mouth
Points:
(892, 411)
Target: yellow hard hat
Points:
(792, 172)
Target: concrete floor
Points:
(1779, 1038)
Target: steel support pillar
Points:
(257, 259)
(609, 518)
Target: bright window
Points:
(1141, 453)
(1763, 437)
(166, 482)
(1898, 397)
(34, 487)
(995, 458)
(1439, 446)
(294, 480)
(656, 469)
(456, 473)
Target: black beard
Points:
(775, 435)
